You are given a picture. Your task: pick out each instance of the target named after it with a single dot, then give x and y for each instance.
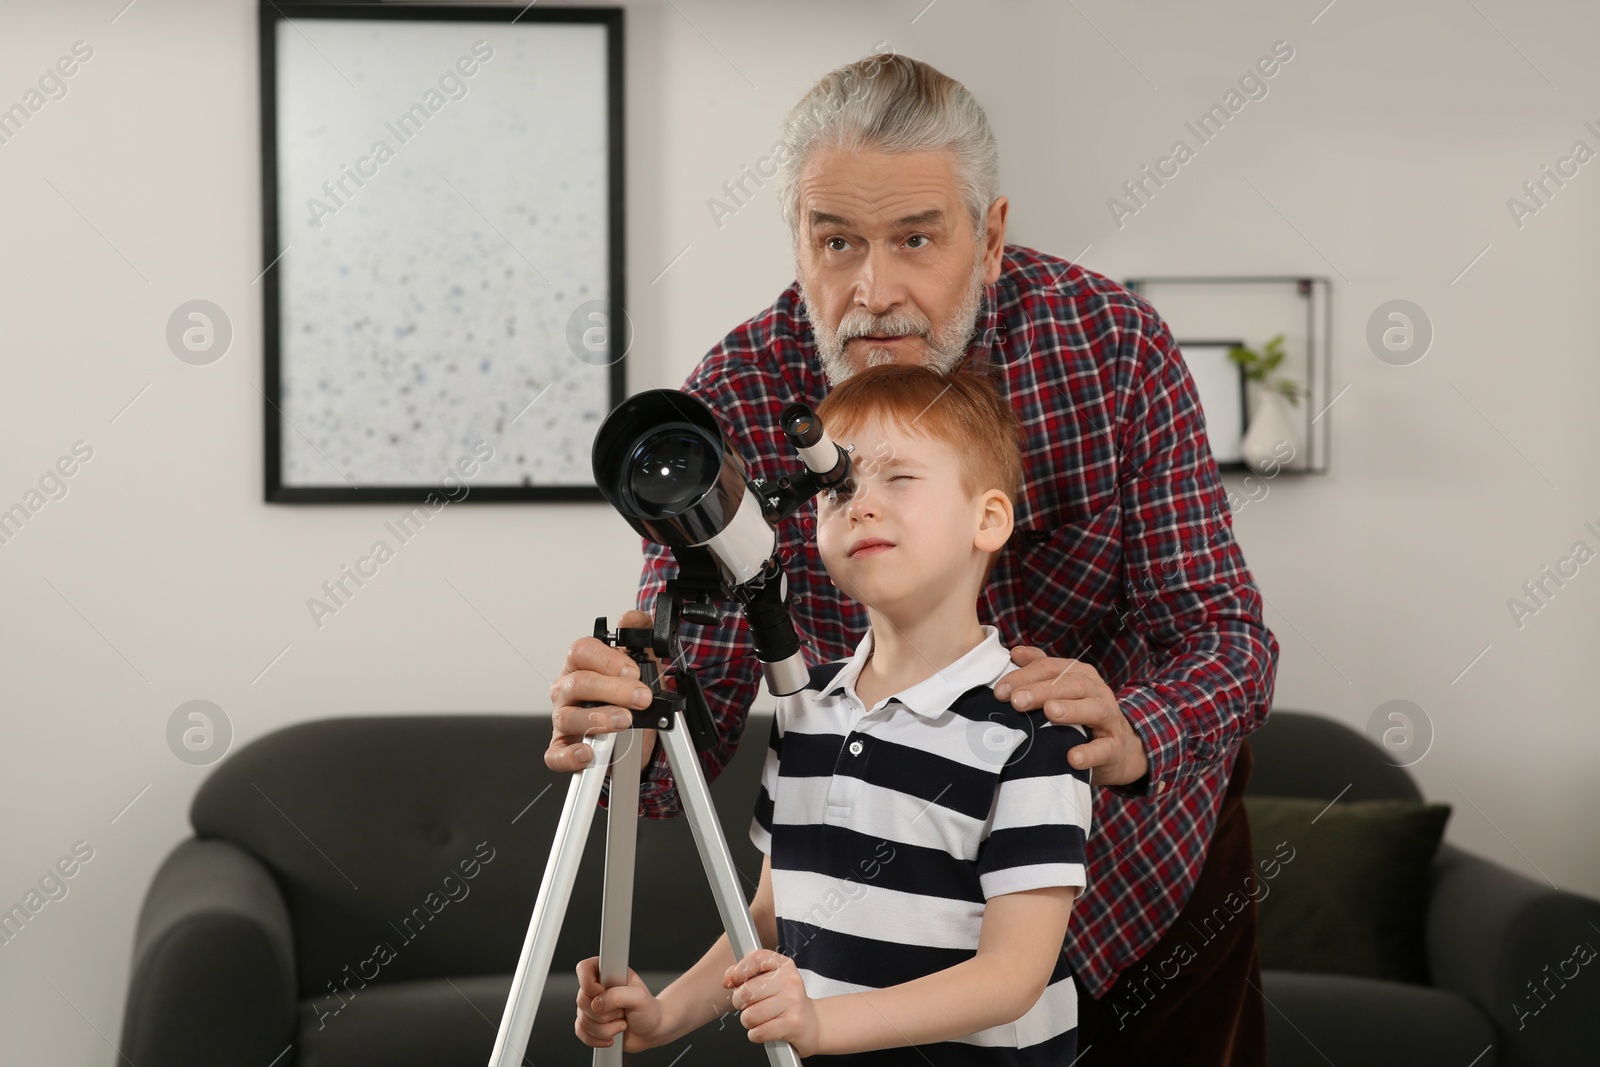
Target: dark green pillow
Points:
(1344, 889)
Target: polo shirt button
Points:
(855, 748)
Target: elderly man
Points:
(1134, 612)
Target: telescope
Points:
(661, 459)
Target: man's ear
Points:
(995, 522)
(994, 242)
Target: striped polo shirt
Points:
(889, 827)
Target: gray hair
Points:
(891, 103)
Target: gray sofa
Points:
(320, 842)
(357, 891)
(1490, 931)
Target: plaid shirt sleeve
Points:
(1192, 597)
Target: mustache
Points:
(861, 324)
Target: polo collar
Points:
(932, 697)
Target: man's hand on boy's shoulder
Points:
(1071, 691)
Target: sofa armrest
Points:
(1522, 951)
(213, 963)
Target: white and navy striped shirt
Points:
(890, 827)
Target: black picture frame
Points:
(617, 334)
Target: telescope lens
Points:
(670, 470)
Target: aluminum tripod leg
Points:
(716, 859)
(622, 841)
(555, 891)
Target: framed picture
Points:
(443, 258)
(1220, 383)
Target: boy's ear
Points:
(995, 522)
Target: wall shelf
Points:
(1256, 308)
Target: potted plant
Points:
(1271, 429)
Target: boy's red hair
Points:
(962, 410)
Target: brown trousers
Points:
(1195, 998)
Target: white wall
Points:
(1385, 152)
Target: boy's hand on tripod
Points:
(603, 1013)
(772, 1001)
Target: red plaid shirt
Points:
(1123, 556)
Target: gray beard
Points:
(946, 349)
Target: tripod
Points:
(682, 722)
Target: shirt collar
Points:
(932, 697)
(986, 333)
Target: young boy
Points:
(924, 841)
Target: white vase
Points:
(1271, 443)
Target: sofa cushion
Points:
(1350, 894)
(1320, 1019)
